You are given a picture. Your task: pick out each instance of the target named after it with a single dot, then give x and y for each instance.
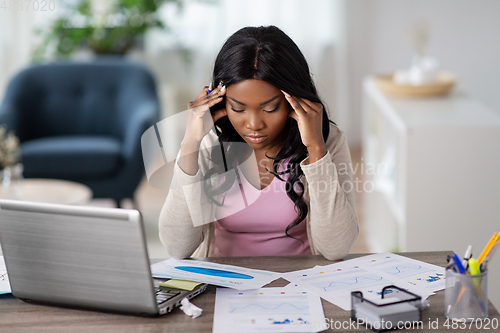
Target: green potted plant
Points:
(103, 26)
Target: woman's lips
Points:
(256, 139)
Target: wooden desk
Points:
(18, 316)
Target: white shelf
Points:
(446, 186)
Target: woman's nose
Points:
(254, 122)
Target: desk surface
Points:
(17, 316)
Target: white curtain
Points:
(18, 38)
(205, 25)
(14, 43)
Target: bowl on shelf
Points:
(443, 85)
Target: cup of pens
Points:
(466, 295)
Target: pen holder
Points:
(466, 296)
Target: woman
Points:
(266, 101)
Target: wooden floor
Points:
(150, 201)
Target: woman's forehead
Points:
(252, 92)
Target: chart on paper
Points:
(402, 270)
(266, 307)
(408, 271)
(213, 273)
(355, 281)
(369, 274)
(267, 310)
(335, 284)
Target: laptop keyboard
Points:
(163, 294)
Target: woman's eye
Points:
(272, 110)
(264, 110)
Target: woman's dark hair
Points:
(264, 53)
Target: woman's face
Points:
(258, 111)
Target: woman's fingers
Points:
(309, 106)
(293, 102)
(214, 94)
(217, 96)
(316, 107)
(201, 106)
(302, 104)
(214, 101)
(203, 93)
(204, 98)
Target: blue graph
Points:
(404, 269)
(269, 307)
(433, 278)
(214, 272)
(348, 282)
(288, 321)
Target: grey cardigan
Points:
(332, 223)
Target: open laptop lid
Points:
(79, 256)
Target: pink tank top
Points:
(258, 229)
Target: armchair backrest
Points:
(85, 98)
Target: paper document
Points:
(369, 274)
(212, 273)
(406, 271)
(4, 279)
(267, 310)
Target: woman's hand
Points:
(199, 118)
(309, 117)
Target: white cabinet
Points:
(433, 164)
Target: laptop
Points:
(86, 257)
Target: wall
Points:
(465, 40)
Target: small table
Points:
(52, 191)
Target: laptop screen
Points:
(83, 256)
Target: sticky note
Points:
(179, 284)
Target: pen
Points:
(209, 88)
(451, 264)
(461, 269)
(490, 255)
(467, 256)
(488, 247)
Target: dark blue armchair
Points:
(83, 122)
